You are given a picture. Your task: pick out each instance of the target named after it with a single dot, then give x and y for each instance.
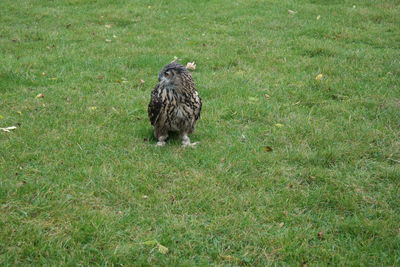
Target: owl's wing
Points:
(155, 105)
(197, 106)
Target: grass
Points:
(81, 182)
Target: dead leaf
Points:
(321, 235)
(100, 77)
(319, 77)
(279, 125)
(291, 12)
(267, 96)
(40, 96)
(268, 149)
(108, 40)
(145, 197)
(318, 17)
(141, 81)
(191, 65)
(92, 108)
(162, 249)
(108, 26)
(281, 224)
(304, 264)
(8, 129)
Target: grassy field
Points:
(298, 161)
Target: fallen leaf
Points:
(162, 249)
(100, 77)
(354, 6)
(141, 81)
(279, 125)
(321, 235)
(108, 26)
(145, 197)
(92, 108)
(191, 65)
(318, 17)
(291, 12)
(8, 129)
(319, 77)
(267, 96)
(281, 224)
(43, 73)
(114, 36)
(108, 40)
(304, 264)
(40, 96)
(268, 149)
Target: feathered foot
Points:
(161, 140)
(186, 141)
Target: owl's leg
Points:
(186, 140)
(161, 136)
(161, 139)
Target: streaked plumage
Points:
(175, 104)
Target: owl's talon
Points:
(190, 144)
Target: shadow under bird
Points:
(175, 105)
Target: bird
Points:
(175, 104)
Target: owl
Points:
(175, 105)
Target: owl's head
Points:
(172, 74)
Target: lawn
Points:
(299, 156)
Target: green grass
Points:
(81, 182)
